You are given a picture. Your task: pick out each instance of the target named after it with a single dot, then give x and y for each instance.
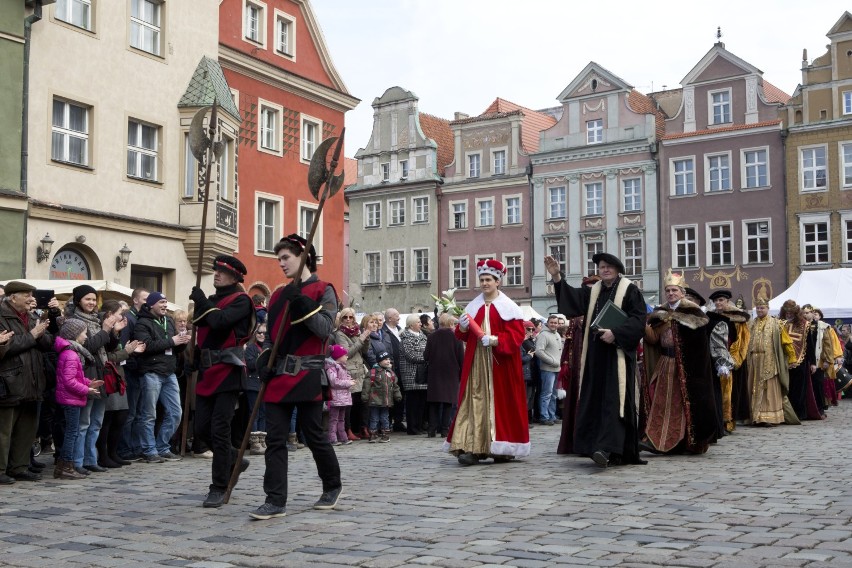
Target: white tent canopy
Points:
(829, 290)
(105, 288)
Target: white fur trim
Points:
(507, 309)
(516, 449)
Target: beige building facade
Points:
(113, 88)
(818, 120)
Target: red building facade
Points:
(290, 98)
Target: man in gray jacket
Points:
(548, 348)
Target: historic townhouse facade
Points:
(485, 202)
(393, 207)
(722, 179)
(291, 98)
(595, 184)
(818, 119)
(113, 88)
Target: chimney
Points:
(461, 116)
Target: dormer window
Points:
(720, 107)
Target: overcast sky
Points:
(459, 55)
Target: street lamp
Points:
(123, 257)
(43, 252)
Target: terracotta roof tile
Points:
(722, 129)
(438, 129)
(644, 104)
(532, 121)
(350, 171)
(773, 94)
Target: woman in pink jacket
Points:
(72, 391)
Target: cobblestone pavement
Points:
(761, 497)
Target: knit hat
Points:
(154, 297)
(81, 291)
(16, 286)
(72, 328)
(337, 351)
(382, 356)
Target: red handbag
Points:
(113, 381)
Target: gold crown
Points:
(674, 279)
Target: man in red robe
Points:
(491, 420)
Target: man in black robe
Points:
(606, 424)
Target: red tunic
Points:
(223, 377)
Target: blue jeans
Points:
(259, 424)
(91, 420)
(379, 417)
(131, 434)
(547, 397)
(72, 432)
(162, 388)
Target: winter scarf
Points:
(94, 325)
(353, 331)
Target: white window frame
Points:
(630, 260)
(745, 166)
(139, 26)
(140, 151)
(747, 239)
(307, 144)
(815, 169)
(845, 179)
(590, 249)
(378, 273)
(693, 243)
(304, 230)
(470, 159)
(452, 282)
(507, 207)
(558, 204)
(403, 170)
(399, 276)
(385, 167)
(814, 219)
(260, 40)
(64, 12)
(396, 212)
(846, 235)
(277, 221)
(710, 240)
(518, 269)
(846, 101)
(687, 174)
(495, 153)
(453, 213)
(67, 133)
(725, 107)
(417, 255)
(190, 170)
(226, 169)
(283, 17)
(420, 209)
(709, 169)
(368, 216)
(484, 205)
(589, 203)
(277, 133)
(635, 196)
(594, 131)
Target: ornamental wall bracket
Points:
(610, 174)
(720, 279)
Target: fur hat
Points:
(15, 286)
(492, 267)
(337, 351)
(79, 292)
(230, 264)
(72, 328)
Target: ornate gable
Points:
(593, 80)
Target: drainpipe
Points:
(531, 240)
(28, 26)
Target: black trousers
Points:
(415, 408)
(277, 428)
(213, 415)
(440, 416)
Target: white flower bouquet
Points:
(447, 303)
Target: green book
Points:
(610, 317)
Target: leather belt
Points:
(294, 364)
(229, 355)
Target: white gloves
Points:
(723, 370)
(464, 322)
(489, 341)
(560, 394)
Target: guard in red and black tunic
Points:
(297, 379)
(225, 323)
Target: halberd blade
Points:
(318, 171)
(198, 139)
